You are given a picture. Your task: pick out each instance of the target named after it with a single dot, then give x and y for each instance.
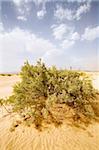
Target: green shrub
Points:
(41, 87)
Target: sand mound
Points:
(65, 137)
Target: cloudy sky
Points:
(62, 32)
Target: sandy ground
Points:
(63, 138)
(6, 85)
(95, 79)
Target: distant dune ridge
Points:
(65, 137)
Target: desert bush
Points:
(41, 87)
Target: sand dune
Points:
(63, 138)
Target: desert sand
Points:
(65, 137)
(6, 85)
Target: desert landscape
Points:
(65, 137)
(49, 74)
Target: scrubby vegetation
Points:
(6, 74)
(43, 89)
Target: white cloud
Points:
(66, 34)
(66, 44)
(37, 2)
(82, 9)
(91, 34)
(64, 13)
(20, 40)
(42, 2)
(23, 18)
(62, 31)
(18, 2)
(22, 9)
(75, 36)
(41, 13)
(17, 45)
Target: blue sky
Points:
(62, 32)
